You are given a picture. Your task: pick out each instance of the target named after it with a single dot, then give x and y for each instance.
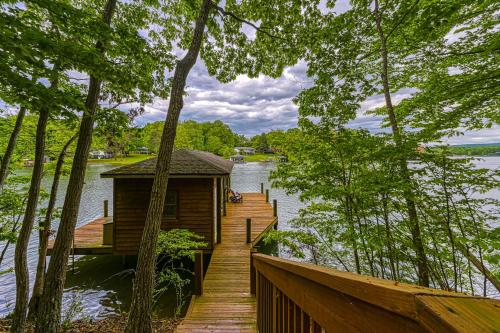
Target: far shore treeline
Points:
(122, 138)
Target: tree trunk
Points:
(20, 258)
(44, 235)
(423, 273)
(50, 307)
(8, 242)
(4, 167)
(139, 319)
(390, 240)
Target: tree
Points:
(7, 156)
(139, 319)
(120, 52)
(457, 88)
(20, 258)
(44, 233)
(229, 44)
(368, 53)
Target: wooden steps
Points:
(226, 304)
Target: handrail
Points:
(264, 232)
(300, 297)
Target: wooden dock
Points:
(88, 239)
(227, 304)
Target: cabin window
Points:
(170, 210)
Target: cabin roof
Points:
(184, 162)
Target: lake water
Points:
(99, 283)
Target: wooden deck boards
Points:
(226, 304)
(88, 239)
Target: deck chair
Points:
(235, 196)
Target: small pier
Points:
(226, 303)
(88, 239)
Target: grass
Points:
(260, 158)
(122, 160)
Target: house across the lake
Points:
(244, 150)
(237, 158)
(195, 199)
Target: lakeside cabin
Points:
(195, 198)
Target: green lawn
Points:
(260, 158)
(122, 160)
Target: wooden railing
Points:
(299, 297)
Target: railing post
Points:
(106, 208)
(253, 276)
(262, 188)
(198, 273)
(274, 305)
(267, 195)
(249, 231)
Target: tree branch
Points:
(402, 20)
(224, 13)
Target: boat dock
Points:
(226, 303)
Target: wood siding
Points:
(195, 210)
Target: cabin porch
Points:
(88, 238)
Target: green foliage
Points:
(215, 137)
(355, 217)
(59, 131)
(173, 246)
(12, 206)
(178, 244)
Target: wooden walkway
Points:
(226, 304)
(88, 239)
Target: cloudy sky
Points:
(251, 106)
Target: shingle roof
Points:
(184, 163)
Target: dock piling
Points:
(106, 208)
(198, 273)
(267, 195)
(275, 213)
(249, 231)
(262, 188)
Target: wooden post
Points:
(224, 193)
(249, 231)
(262, 188)
(219, 208)
(267, 195)
(253, 276)
(275, 213)
(198, 273)
(106, 208)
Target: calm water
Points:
(100, 283)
